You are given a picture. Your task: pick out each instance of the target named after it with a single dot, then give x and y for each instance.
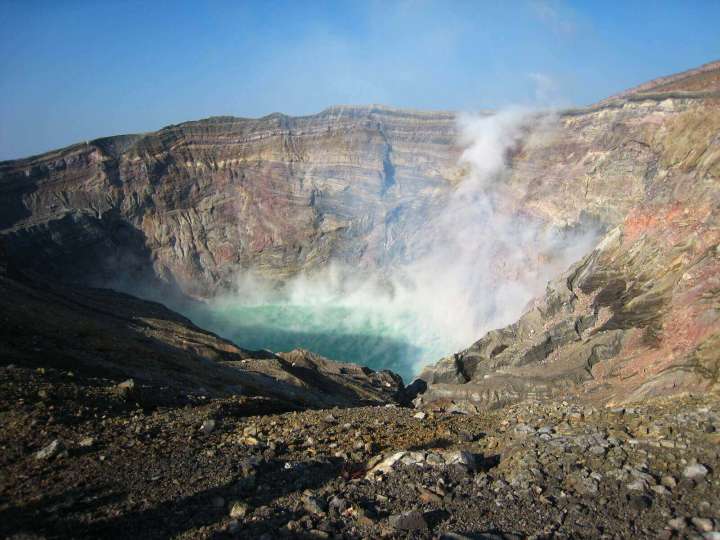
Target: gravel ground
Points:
(92, 457)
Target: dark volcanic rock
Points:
(106, 333)
(408, 521)
(151, 475)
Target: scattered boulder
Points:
(238, 509)
(208, 426)
(702, 524)
(86, 442)
(460, 457)
(668, 481)
(125, 389)
(313, 505)
(431, 459)
(50, 451)
(695, 472)
(677, 524)
(408, 521)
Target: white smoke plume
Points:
(473, 267)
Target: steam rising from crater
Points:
(472, 267)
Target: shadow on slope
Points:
(104, 333)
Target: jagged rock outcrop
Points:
(194, 203)
(103, 333)
(641, 314)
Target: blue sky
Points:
(74, 70)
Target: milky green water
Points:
(367, 337)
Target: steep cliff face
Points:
(193, 203)
(640, 315)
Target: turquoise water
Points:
(379, 339)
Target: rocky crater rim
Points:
(640, 93)
(193, 202)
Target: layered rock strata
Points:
(192, 206)
(640, 315)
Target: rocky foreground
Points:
(95, 457)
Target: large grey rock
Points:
(50, 451)
(408, 521)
